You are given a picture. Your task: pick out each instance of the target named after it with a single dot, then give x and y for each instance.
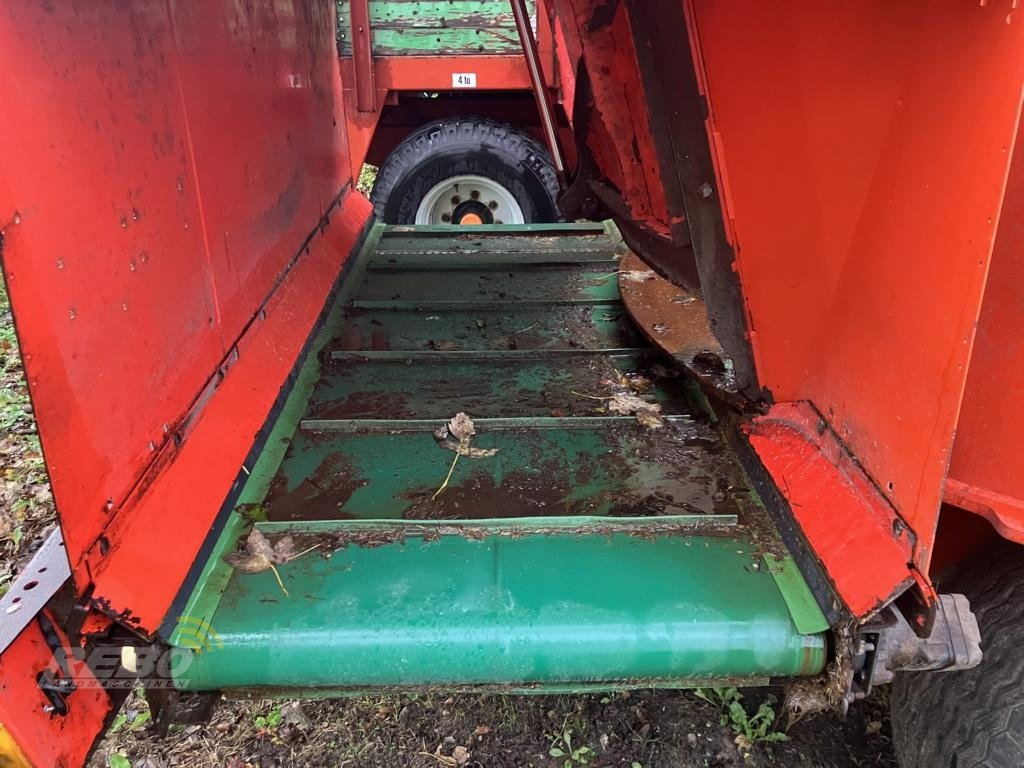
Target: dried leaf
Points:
(646, 413)
(649, 419)
(465, 449)
(637, 275)
(442, 759)
(626, 404)
(461, 427)
(248, 563)
(258, 544)
(284, 550)
(260, 555)
(461, 755)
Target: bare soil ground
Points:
(651, 729)
(646, 729)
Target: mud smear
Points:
(320, 496)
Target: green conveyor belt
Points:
(588, 551)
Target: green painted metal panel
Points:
(431, 27)
(595, 471)
(485, 424)
(534, 609)
(489, 286)
(540, 328)
(803, 607)
(521, 385)
(543, 249)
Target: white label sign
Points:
(463, 79)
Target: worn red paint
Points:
(856, 534)
(620, 138)
(48, 739)
(846, 133)
(362, 56)
(202, 153)
(150, 537)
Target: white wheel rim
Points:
(439, 204)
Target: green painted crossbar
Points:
(493, 424)
(427, 355)
(434, 305)
(446, 262)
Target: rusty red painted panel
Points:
(620, 138)
(362, 56)
(45, 738)
(864, 191)
(170, 161)
(857, 535)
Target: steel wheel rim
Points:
(470, 199)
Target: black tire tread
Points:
(973, 718)
(425, 140)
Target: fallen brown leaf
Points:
(646, 413)
(461, 427)
(260, 555)
(465, 449)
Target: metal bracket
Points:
(888, 644)
(362, 56)
(45, 573)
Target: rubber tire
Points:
(466, 146)
(973, 718)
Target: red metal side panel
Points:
(862, 151)
(863, 548)
(45, 738)
(162, 533)
(163, 163)
(103, 243)
(986, 474)
(259, 105)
